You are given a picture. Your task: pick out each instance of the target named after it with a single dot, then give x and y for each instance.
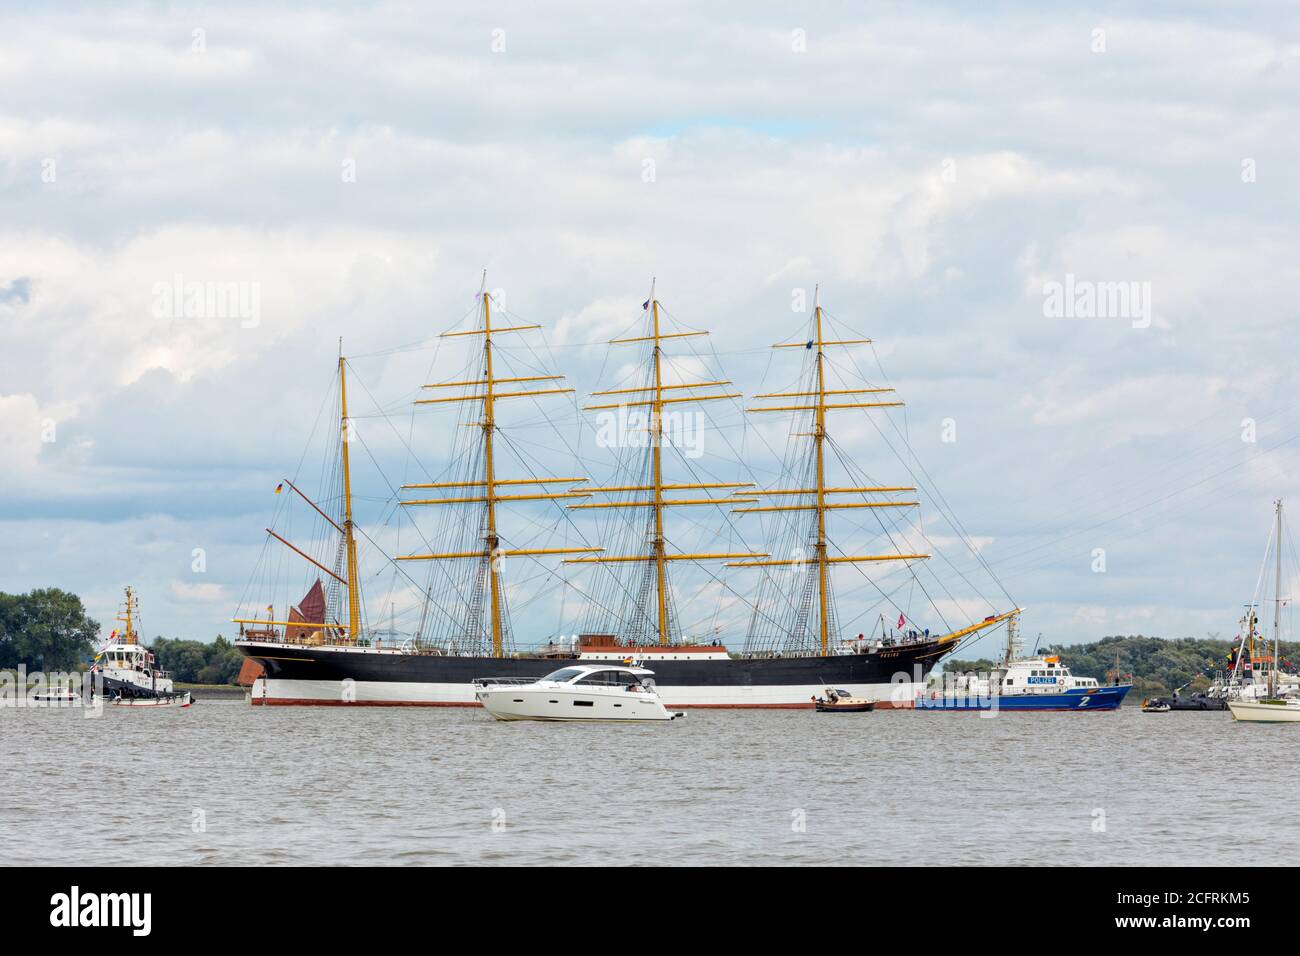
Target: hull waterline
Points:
(353, 676)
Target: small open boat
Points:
(56, 695)
(1155, 705)
(839, 701)
(169, 700)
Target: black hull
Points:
(296, 673)
(117, 688)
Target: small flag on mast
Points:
(901, 620)
(645, 306)
(279, 487)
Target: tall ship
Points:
(614, 547)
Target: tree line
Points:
(47, 629)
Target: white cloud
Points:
(773, 171)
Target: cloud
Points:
(201, 592)
(929, 169)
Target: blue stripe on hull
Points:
(1101, 698)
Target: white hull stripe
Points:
(277, 691)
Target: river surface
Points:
(226, 783)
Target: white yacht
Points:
(579, 692)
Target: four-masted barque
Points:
(320, 652)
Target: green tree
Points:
(45, 629)
(197, 662)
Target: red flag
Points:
(901, 619)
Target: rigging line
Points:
(414, 583)
(1053, 561)
(411, 456)
(418, 345)
(1192, 451)
(512, 446)
(885, 598)
(395, 564)
(1162, 498)
(839, 453)
(941, 501)
(410, 451)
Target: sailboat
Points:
(794, 648)
(1272, 707)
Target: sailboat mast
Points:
(1277, 606)
(490, 483)
(349, 539)
(657, 431)
(819, 436)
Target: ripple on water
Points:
(225, 783)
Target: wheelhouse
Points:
(589, 676)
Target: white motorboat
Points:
(580, 692)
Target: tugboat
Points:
(128, 670)
(839, 701)
(1037, 683)
(580, 692)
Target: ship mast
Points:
(485, 390)
(1277, 606)
(352, 582)
(818, 495)
(128, 617)
(655, 500)
(349, 537)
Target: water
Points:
(225, 783)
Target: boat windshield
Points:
(564, 674)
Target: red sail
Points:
(311, 610)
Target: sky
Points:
(1071, 234)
